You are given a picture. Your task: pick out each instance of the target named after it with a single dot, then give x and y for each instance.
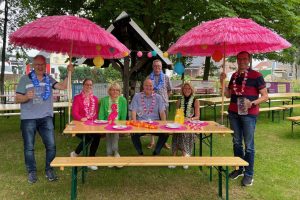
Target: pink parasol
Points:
(69, 34)
(235, 33)
(75, 36)
(227, 36)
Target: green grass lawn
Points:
(277, 169)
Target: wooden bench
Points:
(272, 109)
(220, 163)
(290, 107)
(295, 121)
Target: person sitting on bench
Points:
(148, 105)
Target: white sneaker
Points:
(117, 155)
(93, 167)
(110, 166)
(171, 166)
(73, 154)
(185, 166)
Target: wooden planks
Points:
(147, 161)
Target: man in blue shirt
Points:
(148, 105)
(34, 92)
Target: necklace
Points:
(110, 102)
(36, 84)
(153, 97)
(89, 105)
(160, 83)
(189, 105)
(235, 76)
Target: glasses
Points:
(39, 65)
(88, 85)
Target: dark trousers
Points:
(94, 139)
(136, 140)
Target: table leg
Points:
(220, 181)
(200, 147)
(227, 183)
(84, 153)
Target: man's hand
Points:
(29, 94)
(70, 68)
(222, 76)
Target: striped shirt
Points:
(254, 83)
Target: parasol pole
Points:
(223, 87)
(69, 85)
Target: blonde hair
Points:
(115, 86)
(189, 84)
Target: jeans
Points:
(244, 128)
(46, 130)
(112, 145)
(162, 139)
(94, 139)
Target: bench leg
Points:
(74, 183)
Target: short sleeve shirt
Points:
(147, 110)
(29, 110)
(163, 91)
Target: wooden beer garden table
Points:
(205, 133)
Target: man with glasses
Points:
(148, 105)
(162, 86)
(34, 93)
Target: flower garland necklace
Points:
(36, 84)
(110, 102)
(189, 105)
(150, 110)
(89, 105)
(235, 76)
(160, 83)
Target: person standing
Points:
(34, 92)
(244, 89)
(85, 107)
(162, 86)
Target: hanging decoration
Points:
(203, 46)
(165, 54)
(217, 56)
(179, 55)
(125, 53)
(98, 61)
(149, 55)
(153, 53)
(139, 54)
(179, 68)
(98, 48)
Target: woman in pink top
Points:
(85, 107)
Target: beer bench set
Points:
(222, 164)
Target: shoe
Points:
(247, 181)
(167, 146)
(171, 166)
(185, 166)
(235, 174)
(110, 166)
(50, 175)
(94, 168)
(32, 178)
(150, 146)
(73, 154)
(117, 155)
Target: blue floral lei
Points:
(36, 84)
(160, 81)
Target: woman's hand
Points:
(84, 119)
